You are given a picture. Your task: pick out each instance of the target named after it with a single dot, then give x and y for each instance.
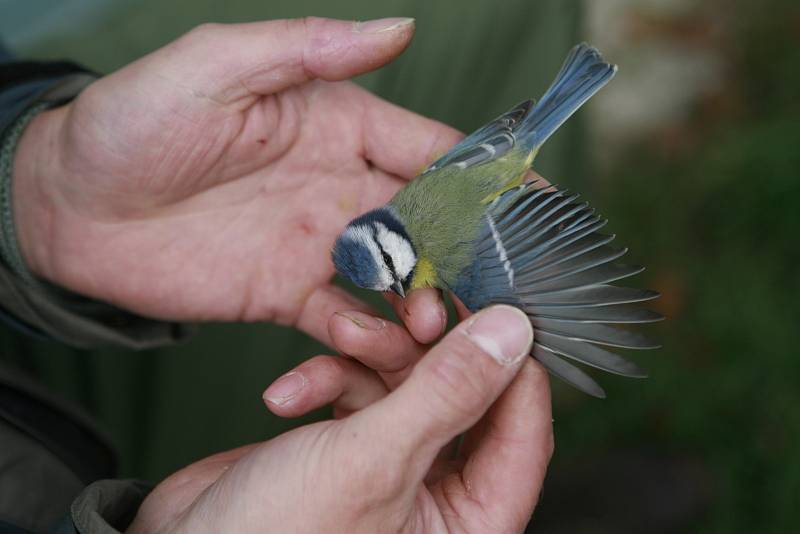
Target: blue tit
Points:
(470, 224)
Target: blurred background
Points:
(692, 153)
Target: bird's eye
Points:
(387, 259)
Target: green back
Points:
(442, 210)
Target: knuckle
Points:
(204, 31)
(328, 369)
(199, 38)
(301, 30)
(310, 22)
(302, 26)
(330, 365)
(344, 334)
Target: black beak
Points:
(397, 287)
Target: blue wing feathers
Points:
(529, 124)
(568, 267)
(583, 74)
(498, 134)
(565, 253)
(566, 371)
(600, 295)
(539, 250)
(591, 355)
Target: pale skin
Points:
(207, 181)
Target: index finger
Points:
(402, 142)
(423, 313)
(321, 305)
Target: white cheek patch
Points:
(363, 235)
(399, 249)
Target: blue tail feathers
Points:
(583, 73)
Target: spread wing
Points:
(489, 142)
(540, 250)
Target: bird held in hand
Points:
(471, 224)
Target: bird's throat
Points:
(424, 275)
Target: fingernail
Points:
(503, 332)
(383, 25)
(285, 388)
(362, 320)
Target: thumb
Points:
(452, 386)
(231, 61)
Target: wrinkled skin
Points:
(390, 462)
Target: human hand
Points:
(390, 466)
(209, 179)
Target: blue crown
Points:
(353, 259)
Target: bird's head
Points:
(375, 252)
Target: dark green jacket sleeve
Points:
(31, 305)
(104, 507)
(56, 464)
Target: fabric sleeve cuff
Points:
(104, 507)
(37, 307)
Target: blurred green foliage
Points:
(713, 210)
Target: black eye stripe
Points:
(387, 259)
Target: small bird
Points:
(471, 224)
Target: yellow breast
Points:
(424, 275)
